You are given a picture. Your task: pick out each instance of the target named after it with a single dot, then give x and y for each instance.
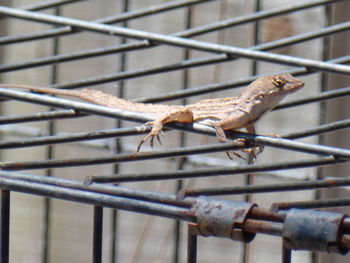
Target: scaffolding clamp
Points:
(313, 230)
(221, 218)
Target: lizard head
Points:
(285, 83)
(273, 88)
(265, 93)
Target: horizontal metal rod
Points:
(159, 8)
(66, 30)
(272, 227)
(96, 199)
(152, 10)
(214, 87)
(218, 171)
(262, 227)
(324, 203)
(323, 128)
(40, 116)
(196, 127)
(325, 95)
(285, 186)
(115, 158)
(160, 69)
(144, 44)
(60, 58)
(73, 137)
(122, 191)
(124, 75)
(111, 133)
(176, 41)
(48, 4)
(277, 11)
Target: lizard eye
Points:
(279, 83)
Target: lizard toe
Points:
(231, 154)
(158, 139)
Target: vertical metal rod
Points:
(326, 55)
(182, 161)
(249, 178)
(113, 243)
(191, 247)
(286, 255)
(4, 226)
(49, 155)
(97, 234)
(118, 144)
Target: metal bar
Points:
(61, 192)
(324, 203)
(108, 20)
(99, 195)
(226, 85)
(176, 41)
(144, 44)
(285, 186)
(154, 9)
(143, 72)
(274, 142)
(97, 199)
(325, 95)
(242, 169)
(73, 137)
(82, 136)
(138, 156)
(48, 4)
(191, 246)
(97, 235)
(328, 127)
(286, 255)
(254, 17)
(5, 226)
(192, 32)
(40, 116)
(154, 197)
(262, 227)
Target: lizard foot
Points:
(154, 133)
(231, 153)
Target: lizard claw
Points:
(230, 153)
(158, 138)
(153, 134)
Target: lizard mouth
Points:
(295, 85)
(299, 84)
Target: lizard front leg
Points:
(238, 120)
(220, 134)
(182, 115)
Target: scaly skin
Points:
(230, 113)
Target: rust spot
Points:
(332, 182)
(240, 213)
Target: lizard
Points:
(229, 113)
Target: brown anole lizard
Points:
(230, 113)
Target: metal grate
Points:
(62, 44)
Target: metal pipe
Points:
(175, 41)
(4, 226)
(97, 235)
(96, 199)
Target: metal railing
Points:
(205, 216)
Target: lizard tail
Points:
(98, 97)
(72, 93)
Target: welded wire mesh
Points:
(175, 52)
